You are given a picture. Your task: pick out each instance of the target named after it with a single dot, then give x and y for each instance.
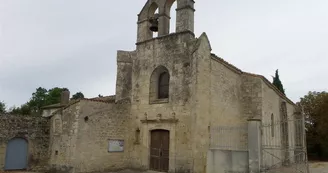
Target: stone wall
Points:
(272, 122)
(35, 130)
(226, 95)
(124, 75)
(97, 124)
(63, 139)
(172, 114)
(251, 99)
(82, 140)
(216, 102)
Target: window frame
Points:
(154, 87)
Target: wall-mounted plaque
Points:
(116, 145)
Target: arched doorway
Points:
(159, 150)
(16, 154)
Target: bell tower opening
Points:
(162, 17)
(173, 17)
(154, 23)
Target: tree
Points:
(41, 97)
(53, 95)
(2, 107)
(276, 82)
(22, 110)
(38, 100)
(315, 109)
(78, 95)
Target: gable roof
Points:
(53, 106)
(106, 99)
(264, 79)
(73, 101)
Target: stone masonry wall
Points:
(271, 135)
(216, 103)
(201, 102)
(63, 138)
(173, 114)
(226, 108)
(81, 137)
(272, 125)
(124, 75)
(251, 99)
(97, 124)
(35, 130)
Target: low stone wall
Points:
(35, 130)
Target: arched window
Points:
(159, 85)
(272, 125)
(163, 85)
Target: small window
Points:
(137, 137)
(163, 85)
(272, 125)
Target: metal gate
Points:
(283, 145)
(16, 154)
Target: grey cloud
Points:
(73, 43)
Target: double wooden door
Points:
(159, 150)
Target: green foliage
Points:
(22, 110)
(2, 107)
(78, 95)
(276, 82)
(315, 109)
(40, 98)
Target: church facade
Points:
(170, 91)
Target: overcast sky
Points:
(73, 43)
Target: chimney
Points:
(64, 98)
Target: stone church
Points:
(170, 92)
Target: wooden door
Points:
(159, 150)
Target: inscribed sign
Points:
(116, 145)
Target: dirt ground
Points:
(318, 167)
(315, 167)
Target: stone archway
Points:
(16, 154)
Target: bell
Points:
(154, 23)
(154, 26)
